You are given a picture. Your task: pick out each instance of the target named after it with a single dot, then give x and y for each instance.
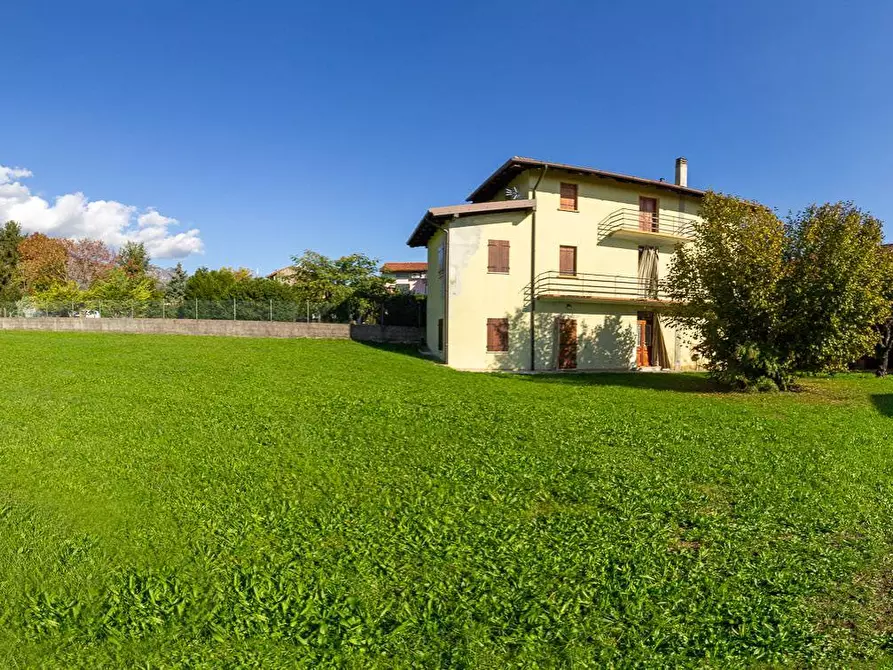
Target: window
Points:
(648, 214)
(568, 198)
(497, 334)
(498, 256)
(440, 334)
(567, 261)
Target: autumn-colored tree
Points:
(43, 262)
(134, 259)
(88, 261)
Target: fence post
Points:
(162, 309)
(234, 309)
(308, 311)
(271, 309)
(196, 309)
(100, 309)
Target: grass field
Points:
(207, 502)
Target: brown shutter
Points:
(567, 260)
(498, 256)
(497, 334)
(568, 197)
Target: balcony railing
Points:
(632, 223)
(552, 285)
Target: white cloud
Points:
(73, 215)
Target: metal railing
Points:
(632, 220)
(589, 285)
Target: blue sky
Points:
(273, 127)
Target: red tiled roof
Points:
(404, 267)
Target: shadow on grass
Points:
(411, 350)
(883, 403)
(670, 381)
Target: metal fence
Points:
(390, 312)
(236, 310)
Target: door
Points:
(644, 337)
(648, 214)
(567, 344)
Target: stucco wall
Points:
(435, 301)
(337, 331)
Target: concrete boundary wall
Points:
(331, 331)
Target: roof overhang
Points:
(518, 164)
(436, 217)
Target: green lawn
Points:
(211, 502)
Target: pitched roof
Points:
(518, 164)
(287, 271)
(428, 225)
(404, 267)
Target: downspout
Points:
(533, 271)
(445, 288)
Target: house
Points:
(407, 277)
(557, 267)
(285, 275)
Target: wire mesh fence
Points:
(233, 309)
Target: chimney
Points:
(681, 172)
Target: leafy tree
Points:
(833, 287)
(884, 327)
(350, 283)
(134, 259)
(118, 286)
(727, 289)
(768, 298)
(10, 281)
(43, 262)
(175, 291)
(88, 261)
(58, 297)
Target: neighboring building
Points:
(408, 277)
(285, 275)
(552, 266)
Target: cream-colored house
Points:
(557, 267)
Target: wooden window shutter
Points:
(498, 256)
(567, 260)
(568, 197)
(497, 334)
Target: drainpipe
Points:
(445, 288)
(533, 272)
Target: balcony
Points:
(586, 287)
(628, 223)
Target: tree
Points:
(43, 262)
(884, 327)
(120, 293)
(175, 291)
(767, 299)
(134, 259)
(10, 282)
(726, 289)
(833, 286)
(88, 261)
(350, 284)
